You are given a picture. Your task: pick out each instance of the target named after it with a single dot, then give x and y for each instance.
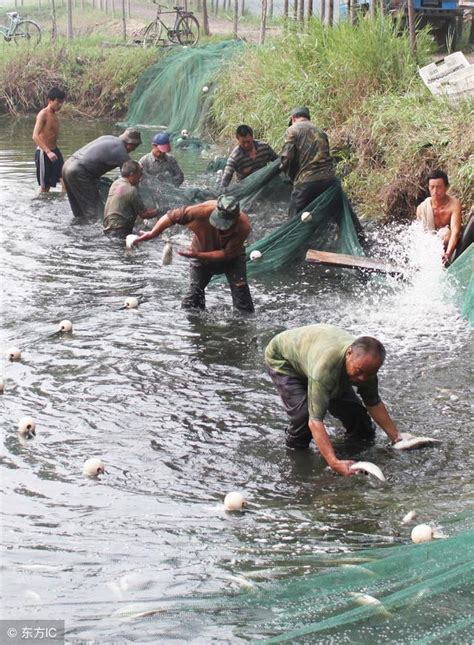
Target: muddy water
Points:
(181, 411)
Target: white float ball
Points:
(27, 426)
(93, 467)
(255, 256)
(184, 132)
(65, 326)
(131, 303)
(234, 502)
(306, 217)
(205, 89)
(13, 354)
(129, 240)
(422, 533)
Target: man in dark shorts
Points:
(217, 247)
(82, 171)
(124, 203)
(250, 155)
(307, 160)
(48, 158)
(314, 369)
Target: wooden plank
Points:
(352, 262)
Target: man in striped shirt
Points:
(250, 155)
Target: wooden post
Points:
(235, 20)
(411, 25)
(124, 20)
(205, 18)
(70, 33)
(263, 21)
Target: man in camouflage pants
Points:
(307, 160)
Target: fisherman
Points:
(82, 171)
(124, 203)
(314, 369)
(159, 165)
(217, 247)
(48, 158)
(441, 213)
(250, 155)
(307, 160)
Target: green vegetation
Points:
(98, 79)
(362, 87)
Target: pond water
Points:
(180, 409)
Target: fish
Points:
(167, 254)
(369, 468)
(366, 600)
(129, 240)
(409, 517)
(409, 442)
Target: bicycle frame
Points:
(177, 13)
(7, 31)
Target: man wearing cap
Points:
(82, 171)
(250, 155)
(160, 165)
(307, 160)
(217, 246)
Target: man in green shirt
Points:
(124, 203)
(314, 369)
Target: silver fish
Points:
(409, 441)
(369, 468)
(167, 254)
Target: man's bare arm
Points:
(455, 225)
(382, 418)
(322, 440)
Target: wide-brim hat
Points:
(226, 213)
(131, 136)
(299, 111)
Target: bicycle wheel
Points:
(187, 30)
(151, 37)
(27, 31)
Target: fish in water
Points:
(369, 468)
(167, 254)
(366, 600)
(409, 517)
(409, 441)
(129, 240)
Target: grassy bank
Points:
(98, 79)
(362, 87)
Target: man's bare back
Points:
(48, 157)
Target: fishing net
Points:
(172, 93)
(462, 273)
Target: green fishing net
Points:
(176, 93)
(461, 272)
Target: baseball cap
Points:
(226, 213)
(299, 111)
(162, 141)
(131, 136)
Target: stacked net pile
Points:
(461, 272)
(171, 94)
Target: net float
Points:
(234, 502)
(255, 256)
(27, 427)
(14, 354)
(93, 467)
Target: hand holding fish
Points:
(343, 467)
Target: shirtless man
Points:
(441, 213)
(48, 158)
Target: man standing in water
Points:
(307, 160)
(441, 213)
(48, 158)
(124, 203)
(82, 171)
(220, 230)
(314, 369)
(159, 164)
(250, 155)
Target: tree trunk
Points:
(235, 21)
(350, 11)
(242, 7)
(270, 9)
(263, 22)
(129, 9)
(70, 33)
(295, 10)
(124, 20)
(411, 25)
(54, 24)
(285, 8)
(330, 12)
(372, 9)
(322, 11)
(216, 8)
(300, 10)
(309, 11)
(205, 18)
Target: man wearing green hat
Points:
(217, 247)
(307, 160)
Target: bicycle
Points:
(185, 30)
(20, 29)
